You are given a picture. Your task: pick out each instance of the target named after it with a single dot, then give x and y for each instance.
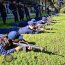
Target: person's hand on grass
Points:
(18, 48)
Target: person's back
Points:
(25, 30)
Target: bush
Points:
(62, 10)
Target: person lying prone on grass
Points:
(18, 40)
(5, 43)
(39, 25)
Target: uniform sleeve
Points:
(8, 51)
(22, 30)
(4, 52)
(11, 51)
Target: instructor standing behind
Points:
(21, 11)
(13, 8)
(3, 12)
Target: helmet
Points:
(12, 35)
(33, 20)
(31, 23)
(44, 18)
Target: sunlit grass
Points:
(53, 39)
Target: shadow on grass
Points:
(55, 22)
(51, 29)
(46, 32)
(32, 43)
(52, 53)
(60, 20)
(63, 63)
(48, 52)
(10, 57)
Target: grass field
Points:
(53, 39)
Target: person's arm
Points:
(17, 40)
(9, 51)
(14, 49)
(4, 52)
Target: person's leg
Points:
(15, 16)
(19, 15)
(26, 16)
(3, 15)
(22, 15)
(37, 15)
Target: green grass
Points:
(53, 39)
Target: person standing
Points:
(13, 8)
(48, 11)
(3, 12)
(26, 12)
(36, 8)
(21, 11)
